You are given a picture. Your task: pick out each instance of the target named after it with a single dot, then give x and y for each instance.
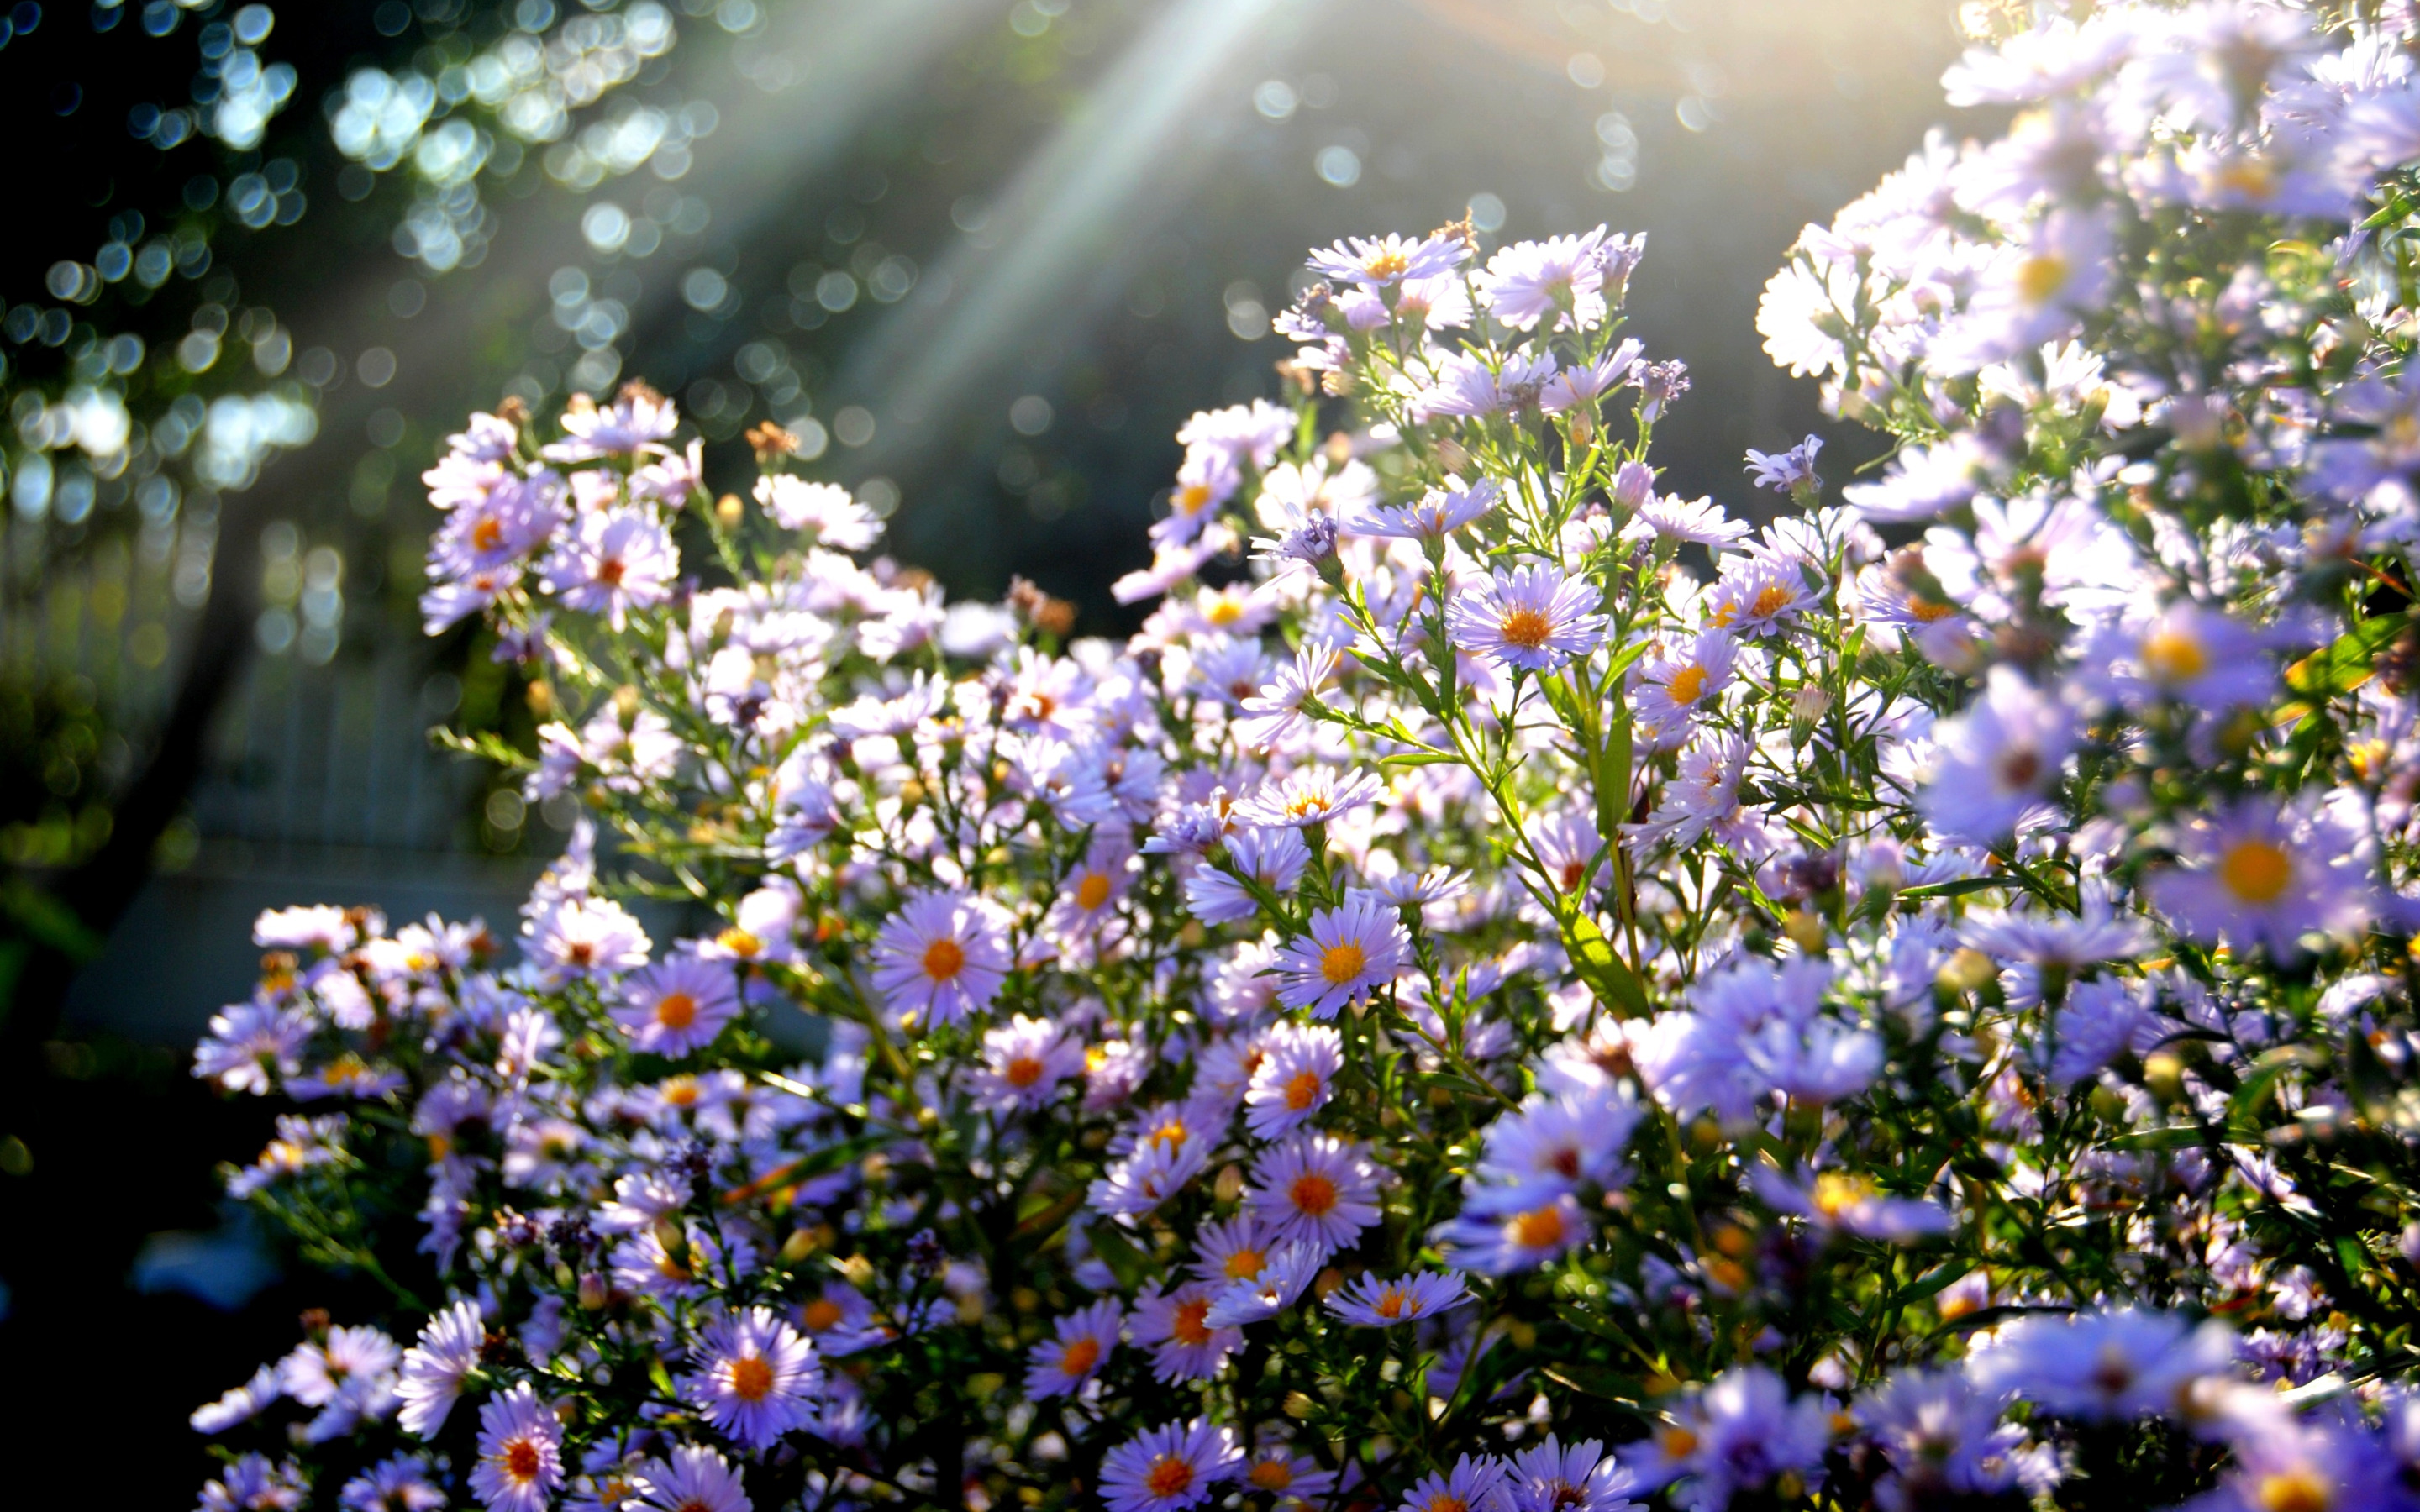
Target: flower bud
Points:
(1297, 1405)
(728, 512)
(1230, 1185)
(593, 1293)
(1634, 484)
(2164, 1074)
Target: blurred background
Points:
(981, 255)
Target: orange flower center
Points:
(1526, 628)
(1771, 599)
(2295, 1490)
(944, 960)
(1677, 1442)
(609, 571)
(2255, 871)
(1539, 1229)
(1169, 1476)
(1093, 891)
(1394, 1303)
(1024, 1071)
(1313, 1194)
(1188, 1324)
(1688, 684)
(1271, 1475)
(1302, 1089)
(521, 1459)
(676, 1011)
(1078, 1358)
(1243, 1265)
(488, 534)
(752, 1379)
(819, 1315)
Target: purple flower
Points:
(1349, 952)
(940, 958)
(1168, 1468)
(521, 1453)
(1375, 1303)
(755, 1376)
(678, 1006)
(1532, 617)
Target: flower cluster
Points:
(1513, 991)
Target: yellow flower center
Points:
(944, 960)
(2172, 656)
(739, 942)
(1526, 628)
(2040, 277)
(1446, 1501)
(1677, 1442)
(1834, 1193)
(1224, 610)
(1770, 600)
(1688, 684)
(2255, 871)
(1192, 499)
(1023, 1070)
(488, 534)
(1341, 963)
(676, 1011)
(1079, 1357)
(2295, 1490)
(1093, 891)
(1271, 1475)
(1390, 263)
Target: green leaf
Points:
(1957, 888)
(1127, 1263)
(1608, 975)
(1418, 758)
(2348, 663)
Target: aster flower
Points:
(346, 1361)
(692, 1478)
(1276, 1286)
(941, 957)
(240, 1404)
(825, 513)
(585, 937)
(1308, 795)
(1294, 1080)
(633, 423)
(1675, 686)
(1476, 1484)
(1026, 1061)
(1743, 1434)
(1522, 1241)
(1791, 471)
(2260, 876)
(1943, 1439)
(614, 561)
(1068, 1362)
(757, 1377)
(1348, 953)
(1292, 1482)
(1275, 713)
(1690, 521)
(1554, 1476)
(521, 1453)
(677, 1007)
(1996, 765)
(1174, 1327)
(1579, 388)
(2106, 1367)
(253, 1484)
(1315, 1188)
(1168, 1468)
(1275, 859)
(1549, 1146)
(1381, 262)
(1533, 618)
(1752, 1031)
(1436, 514)
(1839, 1201)
(1231, 1249)
(398, 1483)
(1561, 276)
(1375, 1303)
(2194, 655)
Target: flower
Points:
(1848, 1204)
(1315, 1188)
(613, 561)
(1293, 1081)
(1943, 1438)
(1307, 796)
(1554, 1476)
(251, 1483)
(1476, 1484)
(398, 1483)
(1522, 1241)
(1674, 687)
(521, 1453)
(1562, 276)
(1168, 1468)
(1436, 514)
(1996, 766)
(1275, 859)
(692, 1478)
(755, 1378)
(1791, 471)
(825, 513)
(1026, 1061)
(1741, 1433)
(1533, 618)
(1381, 262)
(1375, 1303)
(583, 936)
(1755, 1031)
(1068, 1363)
(1292, 1482)
(2263, 876)
(1175, 1326)
(2105, 1366)
(940, 958)
(677, 1007)
(1348, 953)
(1548, 1146)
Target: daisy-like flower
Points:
(1702, 797)
(2195, 655)
(2102, 1367)
(678, 1006)
(347, 1360)
(613, 561)
(1558, 1477)
(1755, 597)
(941, 957)
(1291, 1482)
(1380, 262)
(1308, 795)
(1675, 686)
(692, 1478)
(1067, 1362)
(1549, 1146)
(435, 1368)
(634, 423)
(1995, 765)
(1943, 1438)
(1476, 1484)
(1168, 1468)
(2261, 877)
(240, 1404)
(1291, 1269)
(1517, 1241)
(1436, 514)
(1025, 1063)
(1294, 1080)
(585, 937)
(1840, 1202)
(1527, 281)
(826, 513)
(1275, 859)
(1791, 472)
(756, 1378)
(1740, 1434)
(1175, 1327)
(1232, 1250)
(1532, 617)
(1375, 1303)
(1275, 713)
(521, 1453)
(1579, 388)
(253, 1484)
(399, 1484)
(1690, 521)
(1349, 952)
(1315, 1188)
